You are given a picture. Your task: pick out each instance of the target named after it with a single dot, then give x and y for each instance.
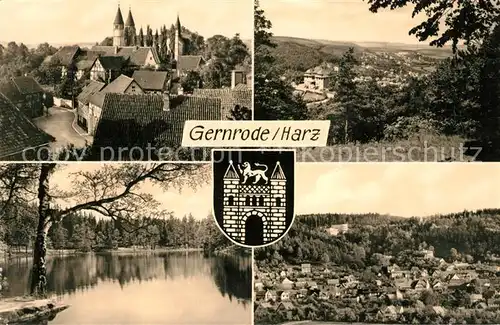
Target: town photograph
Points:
(386, 244)
(117, 80)
(130, 243)
(393, 78)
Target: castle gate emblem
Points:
(254, 194)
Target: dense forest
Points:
(84, 232)
(468, 236)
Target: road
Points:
(60, 124)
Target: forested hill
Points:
(300, 54)
(466, 235)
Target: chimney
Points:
(166, 102)
(237, 77)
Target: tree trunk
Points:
(39, 272)
(346, 129)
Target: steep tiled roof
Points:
(137, 55)
(97, 99)
(18, 132)
(9, 90)
(85, 64)
(66, 54)
(92, 88)
(119, 85)
(190, 62)
(114, 63)
(27, 85)
(229, 98)
(129, 121)
(16, 88)
(151, 80)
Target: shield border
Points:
(294, 195)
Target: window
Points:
(247, 200)
(231, 200)
(261, 201)
(254, 200)
(278, 201)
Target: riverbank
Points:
(121, 250)
(28, 310)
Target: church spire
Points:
(119, 17)
(130, 20)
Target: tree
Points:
(273, 99)
(140, 37)
(191, 81)
(346, 93)
(149, 37)
(239, 113)
(467, 21)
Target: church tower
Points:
(178, 42)
(118, 29)
(130, 32)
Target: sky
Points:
(77, 21)
(399, 189)
(339, 20)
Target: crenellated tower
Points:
(118, 29)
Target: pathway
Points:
(61, 124)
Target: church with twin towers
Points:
(125, 34)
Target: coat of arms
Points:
(253, 194)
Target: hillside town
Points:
(433, 290)
(386, 69)
(130, 91)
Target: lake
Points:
(146, 288)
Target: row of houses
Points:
(91, 101)
(293, 286)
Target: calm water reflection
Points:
(163, 288)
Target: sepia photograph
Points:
(97, 243)
(399, 80)
(386, 244)
(116, 81)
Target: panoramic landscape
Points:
(385, 243)
(117, 244)
(389, 84)
(119, 85)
